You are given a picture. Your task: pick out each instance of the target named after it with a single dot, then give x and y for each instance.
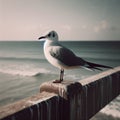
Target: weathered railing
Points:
(68, 100)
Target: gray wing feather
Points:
(66, 56)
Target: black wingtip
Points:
(96, 66)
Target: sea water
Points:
(23, 66)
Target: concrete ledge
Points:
(64, 89)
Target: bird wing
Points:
(66, 56)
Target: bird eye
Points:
(49, 35)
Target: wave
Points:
(25, 73)
(22, 58)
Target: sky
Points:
(71, 19)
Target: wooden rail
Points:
(67, 101)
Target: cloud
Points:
(96, 29)
(104, 24)
(101, 26)
(84, 26)
(66, 27)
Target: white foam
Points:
(23, 70)
(113, 108)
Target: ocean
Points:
(23, 67)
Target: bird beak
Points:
(42, 37)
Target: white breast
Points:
(47, 48)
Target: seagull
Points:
(62, 57)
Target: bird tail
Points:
(96, 66)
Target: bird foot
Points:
(57, 81)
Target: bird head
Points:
(52, 36)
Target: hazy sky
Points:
(72, 19)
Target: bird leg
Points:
(61, 74)
(61, 77)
